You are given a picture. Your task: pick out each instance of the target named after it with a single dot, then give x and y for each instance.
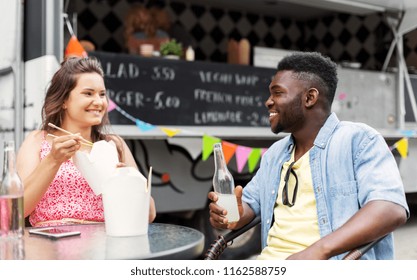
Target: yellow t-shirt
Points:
(296, 227)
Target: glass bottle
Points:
(12, 249)
(224, 185)
(189, 54)
(12, 220)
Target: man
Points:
(329, 186)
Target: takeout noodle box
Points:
(125, 191)
(126, 197)
(98, 165)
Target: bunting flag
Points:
(111, 106)
(229, 150)
(242, 154)
(408, 133)
(402, 147)
(170, 132)
(208, 142)
(144, 126)
(74, 48)
(253, 159)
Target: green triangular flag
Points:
(253, 158)
(208, 142)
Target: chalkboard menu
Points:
(174, 92)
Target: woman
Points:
(55, 191)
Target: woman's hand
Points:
(64, 147)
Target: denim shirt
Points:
(351, 165)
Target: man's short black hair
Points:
(319, 70)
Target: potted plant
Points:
(171, 49)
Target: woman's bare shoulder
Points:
(32, 143)
(35, 136)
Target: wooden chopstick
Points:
(83, 143)
(67, 132)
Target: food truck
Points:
(170, 112)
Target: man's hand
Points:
(218, 214)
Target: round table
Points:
(163, 241)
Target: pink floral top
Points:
(68, 198)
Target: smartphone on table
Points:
(54, 233)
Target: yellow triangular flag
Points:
(170, 132)
(402, 147)
(208, 142)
